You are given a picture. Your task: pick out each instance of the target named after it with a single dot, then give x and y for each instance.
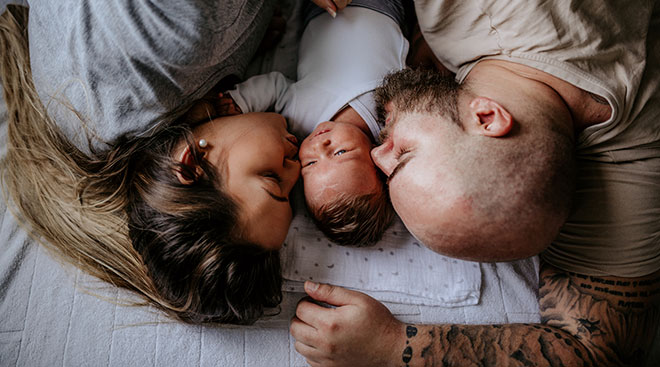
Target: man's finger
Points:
(332, 295)
(311, 313)
(303, 332)
(312, 355)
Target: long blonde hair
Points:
(52, 183)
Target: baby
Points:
(341, 61)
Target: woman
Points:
(140, 199)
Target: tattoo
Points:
(586, 321)
(407, 355)
(615, 318)
(590, 326)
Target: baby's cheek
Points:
(304, 146)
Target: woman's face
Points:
(261, 167)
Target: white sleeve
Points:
(262, 93)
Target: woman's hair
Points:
(187, 237)
(122, 215)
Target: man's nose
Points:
(383, 158)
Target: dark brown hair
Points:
(188, 238)
(419, 90)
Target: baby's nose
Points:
(323, 143)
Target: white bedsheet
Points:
(397, 269)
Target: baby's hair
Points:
(123, 216)
(356, 221)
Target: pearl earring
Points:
(203, 143)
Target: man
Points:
(484, 171)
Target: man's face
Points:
(419, 157)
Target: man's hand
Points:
(332, 6)
(360, 331)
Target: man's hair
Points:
(122, 215)
(418, 90)
(357, 221)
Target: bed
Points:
(54, 314)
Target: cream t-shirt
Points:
(611, 49)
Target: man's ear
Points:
(489, 118)
(186, 158)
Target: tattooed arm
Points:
(592, 321)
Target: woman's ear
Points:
(489, 118)
(186, 158)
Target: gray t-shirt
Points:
(128, 66)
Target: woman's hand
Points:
(359, 331)
(332, 6)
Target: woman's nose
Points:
(291, 173)
(383, 158)
(291, 149)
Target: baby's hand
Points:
(210, 107)
(225, 105)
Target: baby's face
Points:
(335, 160)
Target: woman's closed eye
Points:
(273, 176)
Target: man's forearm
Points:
(493, 345)
(592, 321)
